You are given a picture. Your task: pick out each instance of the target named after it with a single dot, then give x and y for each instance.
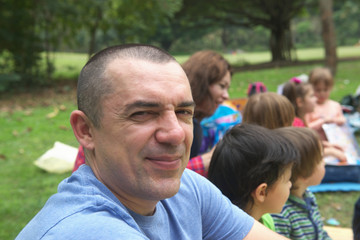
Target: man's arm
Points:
(259, 231)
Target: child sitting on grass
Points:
(270, 110)
(252, 166)
(300, 217)
(326, 110)
(302, 97)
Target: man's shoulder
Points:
(80, 201)
(85, 225)
(191, 179)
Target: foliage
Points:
(31, 30)
(29, 27)
(19, 42)
(274, 15)
(347, 21)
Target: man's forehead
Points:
(135, 62)
(146, 71)
(155, 82)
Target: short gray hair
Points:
(92, 85)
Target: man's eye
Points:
(141, 115)
(185, 112)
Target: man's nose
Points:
(170, 130)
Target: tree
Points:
(132, 20)
(19, 42)
(328, 34)
(274, 15)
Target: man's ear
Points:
(82, 128)
(259, 194)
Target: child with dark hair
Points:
(302, 97)
(300, 217)
(252, 166)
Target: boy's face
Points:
(322, 92)
(278, 193)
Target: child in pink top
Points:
(301, 95)
(303, 98)
(326, 110)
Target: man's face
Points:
(143, 144)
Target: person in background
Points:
(269, 109)
(300, 217)
(134, 184)
(302, 97)
(326, 110)
(252, 165)
(210, 77)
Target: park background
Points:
(44, 44)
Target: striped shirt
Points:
(300, 219)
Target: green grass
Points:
(26, 133)
(346, 80)
(68, 65)
(338, 205)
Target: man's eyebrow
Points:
(141, 104)
(145, 104)
(187, 104)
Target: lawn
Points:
(28, 131)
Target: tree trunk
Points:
(281, 44)
(225, 38)
(328, 34)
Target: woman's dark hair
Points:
(247, 156)
(203, 69)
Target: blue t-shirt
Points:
(84, 208)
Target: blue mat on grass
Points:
(333, 187)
